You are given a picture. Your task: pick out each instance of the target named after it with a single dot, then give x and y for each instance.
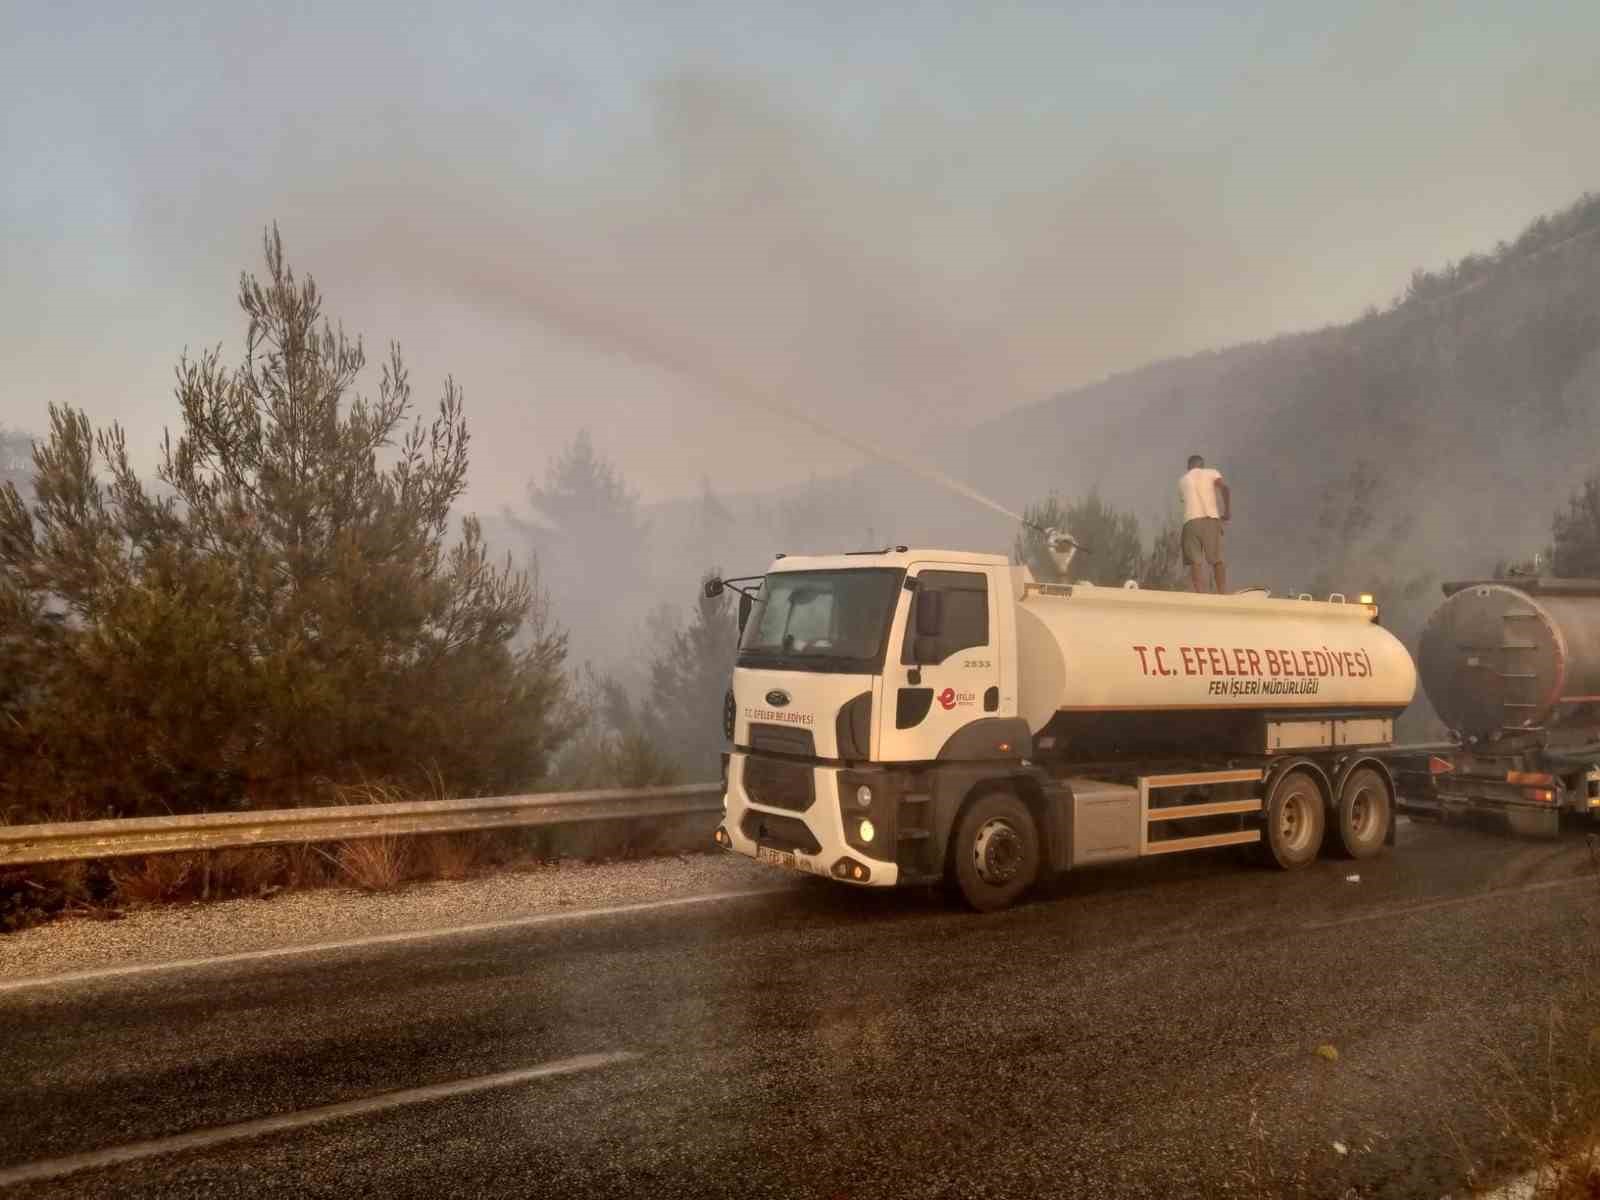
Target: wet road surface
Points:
(1140, 1030)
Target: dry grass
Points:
(247, 872)
(307, 866)
(446, 856)
(1552, 1119)
(165, 878)
(1261, 1171)
(1548, 1115)
(375, 864)
(1575, 1177)
(381, 864)
(158, 879)
(387, 791)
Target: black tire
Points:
(994, 855)
(1366, 808)
(1295, 820)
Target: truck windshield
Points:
(822, 620)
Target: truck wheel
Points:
(995, 851)
(1365, 809)
(1295, 820)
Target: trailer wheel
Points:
(1366, 806)
(995, 851)
(1295, 821)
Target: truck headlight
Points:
(875, 795)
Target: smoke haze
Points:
(905, 225)
(958, 239)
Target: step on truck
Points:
(909, 717)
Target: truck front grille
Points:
(782, 739)
(774, 783)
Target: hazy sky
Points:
(903, 218)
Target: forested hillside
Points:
(1440, 434)
(1432, 439)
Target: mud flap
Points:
(1535, 823)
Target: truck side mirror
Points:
(712, 589)
(745, 605)
(925, 652)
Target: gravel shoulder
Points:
(173, 932)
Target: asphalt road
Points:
(1144, 1030)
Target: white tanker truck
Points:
(919, 716)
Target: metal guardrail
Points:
(71, 840)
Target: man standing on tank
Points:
(1207, 505)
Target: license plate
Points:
(775, 858)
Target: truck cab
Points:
(921, 643)
(860, 679)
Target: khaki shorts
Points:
(1202, 541)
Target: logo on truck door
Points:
(949, 698)
(777, 698)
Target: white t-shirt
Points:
(1199, 491)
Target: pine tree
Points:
(292, 610)
(1576, 551)
(688, 681)
(614, 745)
(591, 542)
(1112, 552)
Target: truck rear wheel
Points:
(1366, 806)
(1295, 820)
(995, 851)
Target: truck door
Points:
(942, 669)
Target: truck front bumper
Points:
(804, 831)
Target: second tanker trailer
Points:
(1512, 667)
(909, 716)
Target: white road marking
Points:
(55, 1168)
(1406, 910)
(378, 939)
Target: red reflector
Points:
(1536, 778)
(1439, 766)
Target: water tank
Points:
(1506, 655)
(1083, 649)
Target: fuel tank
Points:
(1512, 655)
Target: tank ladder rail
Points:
(1149, 816)
(1513, 644)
